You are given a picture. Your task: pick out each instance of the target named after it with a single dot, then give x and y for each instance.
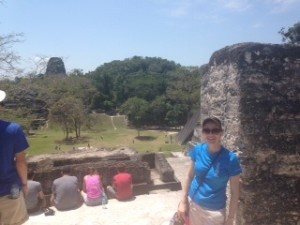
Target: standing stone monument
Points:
(255, 90)
(55, 66)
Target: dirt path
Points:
(112, 122)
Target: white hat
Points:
(2, 95)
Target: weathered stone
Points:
(48, 168)
(164, 169)
(255, 90)
(55, 66)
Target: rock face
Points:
(55, 66)
(255, 90)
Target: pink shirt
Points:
(93, 186)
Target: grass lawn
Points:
(106, 132)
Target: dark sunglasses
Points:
(211, 131)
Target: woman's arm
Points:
(234, 197)
(183, 206)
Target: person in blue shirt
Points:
(204, 190)
(13, 172)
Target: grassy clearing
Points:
(106, 134)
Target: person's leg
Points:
(13, 211)
(195, 215)
(202, 216)
(93, 202)
(84, 197)
(215, 217)
(111, 192)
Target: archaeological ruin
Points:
(150, 171)
(255, 90)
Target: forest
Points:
(150, 91)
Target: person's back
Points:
(66, 193)
(32, 198)
(123, 184)
(93, 186)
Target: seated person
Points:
(92, 189)
(35, 199)
(121, 188)
(65, 191)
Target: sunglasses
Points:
(211, 131)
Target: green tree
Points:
(175, 115)
(20, 115)
(136, 109)
(183, 94)
(158, 111)
(292, 35)
(69, 114)
(133, 77)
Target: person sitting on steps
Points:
(65, 191)
(121, 188)
(35, 199)
(92, 189)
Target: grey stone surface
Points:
(55, 66)
(255, 90)
(151, 209)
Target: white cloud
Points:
(236, 5)
(180, 9)
(257, 25)
(280, 6)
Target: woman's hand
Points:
(25, 189)
(183, 210)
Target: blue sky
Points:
(89, 33)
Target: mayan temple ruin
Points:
(255, 90)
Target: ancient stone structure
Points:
(187, 132)
(255, 90)
(141, 166)
(55, 66)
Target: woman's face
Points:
(212, 133)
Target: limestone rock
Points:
(255, 90)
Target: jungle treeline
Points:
(151, 91)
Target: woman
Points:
(92, 189)
(204, 190)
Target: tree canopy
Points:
(292, 34)
(150, 91)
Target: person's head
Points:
(66, 170)
(121, 168)
(30, 174)
(92, 170)
(212, 130)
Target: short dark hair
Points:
(91, 169)
(121, 168)
(30, 174)
(213, 120)
(66, 170)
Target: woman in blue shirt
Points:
(204, 190)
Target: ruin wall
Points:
(255, 90)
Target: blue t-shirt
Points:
(12, 141)
(212, 191)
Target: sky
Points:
(89, 33)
